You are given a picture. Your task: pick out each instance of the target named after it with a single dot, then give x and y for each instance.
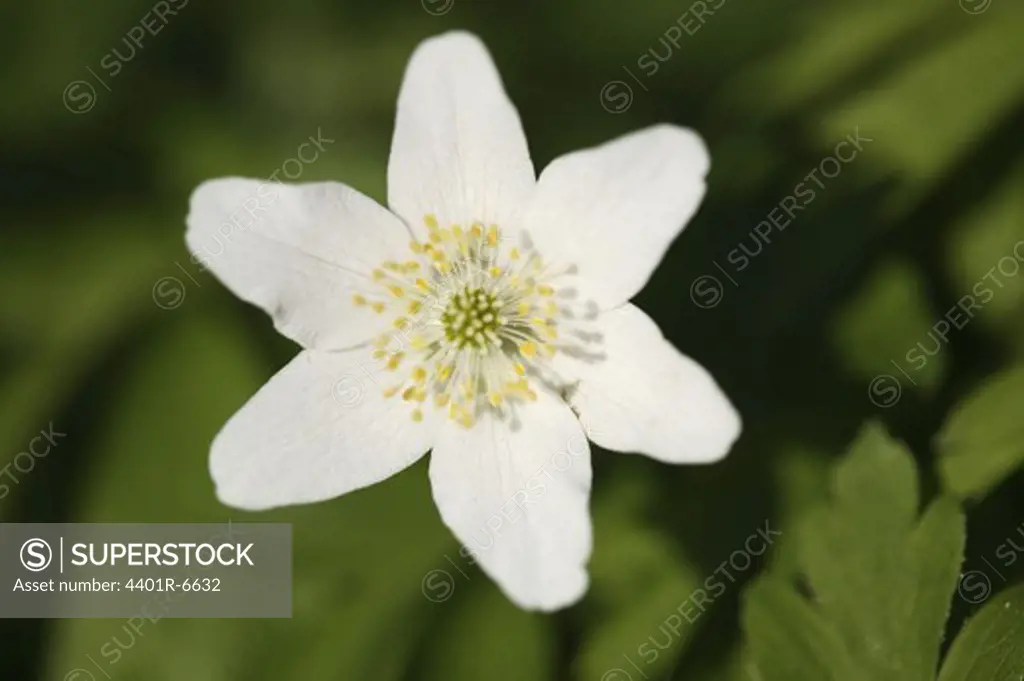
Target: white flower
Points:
(485, 317)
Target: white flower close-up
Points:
(483, 316)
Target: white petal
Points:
(459, 151)
(645, 396)
(613, 210)
(318, 429)
(298, 251)
(517, 497)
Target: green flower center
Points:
(471, 319)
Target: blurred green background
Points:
(809, 339)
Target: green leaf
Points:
(881, 579)
(938, 545)
(841, 39)
(990, 647)
(789, 639)
(929, 111)
(801, 476)
(982, 441)
(876, 330)
(983, 255)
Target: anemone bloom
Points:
(484, 317)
